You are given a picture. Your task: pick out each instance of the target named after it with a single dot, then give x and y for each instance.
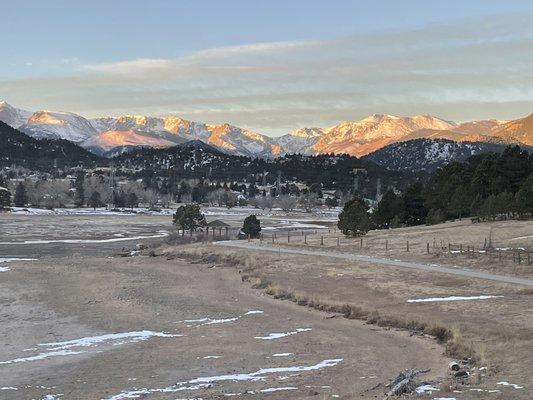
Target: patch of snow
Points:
(254, 312)
(124, 337)
(426, 389)
(278, 335)
(279, 389)
(57, 349)
(452, 298)
(4, 269)
(208, 357)
(513, 385)
(282, 354)
(42, 356)
(205, 382)
(81, 241)
(8, 388)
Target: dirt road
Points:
(381, 261)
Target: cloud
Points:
(467, 70)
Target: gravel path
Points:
(460, 271)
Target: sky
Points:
(270, 66)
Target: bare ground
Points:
(64, 299)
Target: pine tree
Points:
(389, 207)
(5, 197)
(94, 200)
(251, 226)
(189, 217)
(354, 219)
(21, 196)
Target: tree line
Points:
(485, 187)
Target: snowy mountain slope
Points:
(428, 154)
(300, 141)
(356, 138)
(108, 140)
(58, 125)
(364, 136)
(12, 116)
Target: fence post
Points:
(407, 246)
(273, 238)
(427, 247)
(322, 240)
(361, 243)
(519, 257)
(305, 239)
(248, 237)
(226, 232)
(461, 248)
(288, 237)
(261, 238)
(338, 241)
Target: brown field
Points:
(496, 334)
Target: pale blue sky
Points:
(271, 66)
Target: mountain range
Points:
(114, 135)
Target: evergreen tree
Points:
(523, 201)
(189, 217)
(251, 226)
(132, 200)
(94, 200)
(21, 196)
(414, 210)
(332, 202)
(389, 207)
(354, 219)
(253, 190)
(79, 199)
(5, 197)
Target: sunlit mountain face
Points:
(356, 138)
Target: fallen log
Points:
(404, 382)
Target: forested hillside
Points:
(198, 160)
(487, 186)
(16, 148)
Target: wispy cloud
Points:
(471, 69)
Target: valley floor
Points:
(205, 321)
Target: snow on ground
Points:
(513, 385)
(208, 381)
(451, 298)
(89, 211)
(278, 335)
(282, 354)
(215, 321)
(159, 234)
(79, 346)
(12, 259)
(251, 312)
(426, 389)
(278, 389)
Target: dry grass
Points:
(489, 334)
